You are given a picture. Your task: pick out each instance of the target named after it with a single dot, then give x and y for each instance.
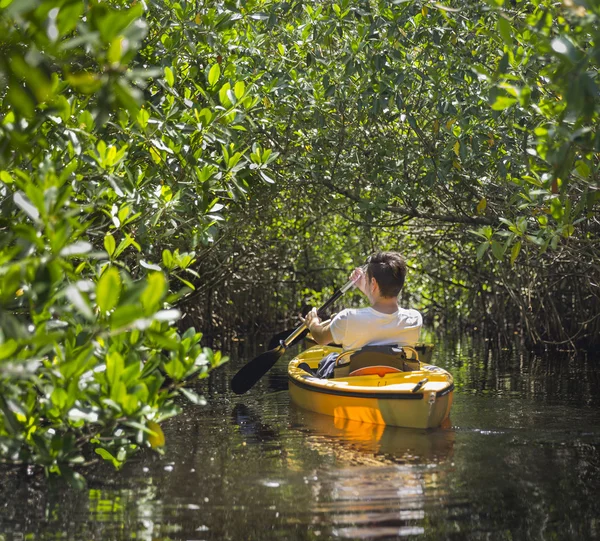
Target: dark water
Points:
(521, 460)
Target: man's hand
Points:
(319, 329)
(311, 318)
(359, 277)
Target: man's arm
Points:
(320, 330)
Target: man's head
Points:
(389, 271)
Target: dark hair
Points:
(389, 271)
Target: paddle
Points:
(250, 373)
(276, 340)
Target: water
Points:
(520, 460)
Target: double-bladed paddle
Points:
(250, 373)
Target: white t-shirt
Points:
(358, 327)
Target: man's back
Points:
(355, 328)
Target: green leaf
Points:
(168, 260)
(556, 208)
(239, 89)
(150, 366)
(564, 47)
(214, 74)
(109, 244)
(503, 102)
(125, 243)
(85, 82)
(125, 315)
(114, 367)
(143, 117)
(174, 368)
(193, 397)
(6, 177)
(77, 248)
(169, 77)
(108, 289)
(154, 292)
(7, 349)
(79, 301)
(205, 116)
(115, 50)
(505, 30)
(106, 455)
(514, 253)
(157, 438)
(26, 206)
(497, 250)
(224, 96)
(59, 398)
(482, 249)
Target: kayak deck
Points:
(418, 398)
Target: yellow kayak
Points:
(420, 396)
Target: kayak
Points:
(417, 396)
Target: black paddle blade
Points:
(276, 340)
(250, 373)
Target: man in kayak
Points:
(383, 323)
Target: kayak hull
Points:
(390, 399)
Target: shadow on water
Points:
(521, 460)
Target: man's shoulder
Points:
(411, 316)
(409, 311)
(352, 313)
(355, 314)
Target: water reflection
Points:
(357, 442)
(251, 426)
(521, 461)
(390, 473)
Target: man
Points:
(383, 323)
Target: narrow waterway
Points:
(520, 460)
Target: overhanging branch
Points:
(414, 213)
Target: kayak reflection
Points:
(389, 443)
(382, 480)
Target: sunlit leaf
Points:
(77, 248)
(214, 74)
(109, 244)
(108, 289)
(169, 77)
(514, 253)
(481, 206)
(106, 455)
(154, 291)
(114, 367)
(26, 206)
(157, 439)
(503, 102)
(80, 302)
(193, 397)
